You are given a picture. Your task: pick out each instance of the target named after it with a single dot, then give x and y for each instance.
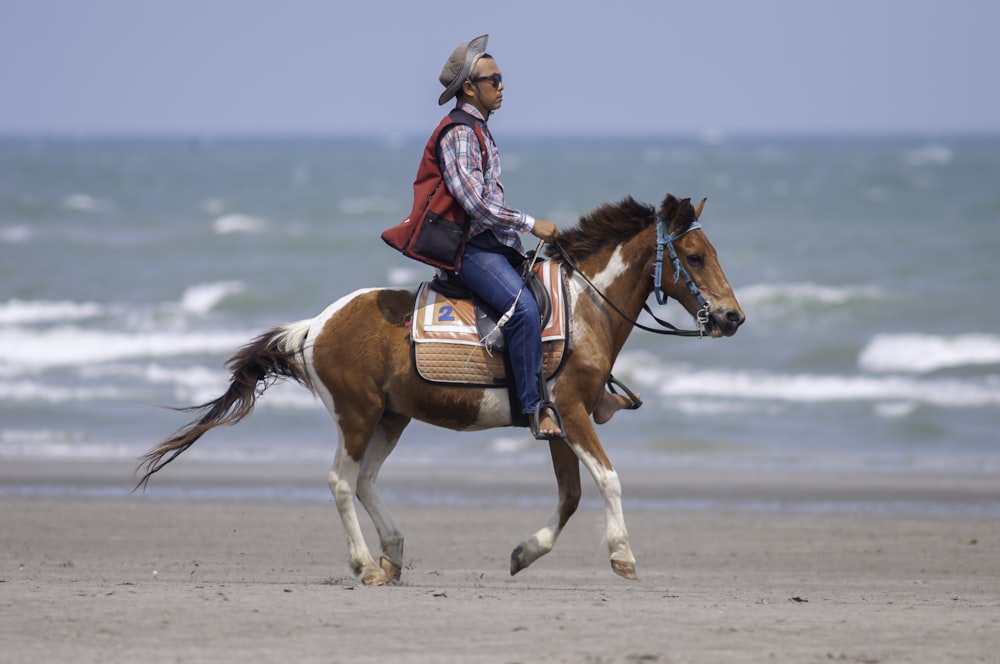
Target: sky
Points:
(594, 67)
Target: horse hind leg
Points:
(567, 470)
(381, 445)
(343, 479)
(357, 416)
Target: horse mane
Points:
(614, 223)
(611, 223)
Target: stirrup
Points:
(613, 382)
(541, 408)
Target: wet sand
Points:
(733, 567)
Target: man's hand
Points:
(545, 230)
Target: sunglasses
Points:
(494, 79)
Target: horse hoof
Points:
(517, 561)
(374, 577)
(623, 568)
(391, 569)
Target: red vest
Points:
(437, 229)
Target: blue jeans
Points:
(490, 276)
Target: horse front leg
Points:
(567, 470)
(585, 444)
(615, 534)
(381, 445)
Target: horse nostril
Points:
(735, 317)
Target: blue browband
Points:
(664, 239)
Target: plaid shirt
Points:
(480, 193)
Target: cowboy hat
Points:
(459, 66)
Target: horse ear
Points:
(669, 207)
(698, 208)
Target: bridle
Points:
(663, 240)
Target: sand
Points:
(733, 567)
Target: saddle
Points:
(456, 338)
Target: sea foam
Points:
(921, 353)
(813, 388)
(238, 223)
(932, 154)
(86, 203)
(203, 298)
(22, 312)
(15, 234)
(196, 301)
(731, 390)
(770, 294)
(67, 346)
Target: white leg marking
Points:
(535, 546)
(544, 540)
(616, 534)
(343, 480)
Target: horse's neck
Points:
(625, 280)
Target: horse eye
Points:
(695, 260)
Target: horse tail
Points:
(276, 354)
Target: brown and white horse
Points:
(356, 357)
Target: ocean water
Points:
(130, 269)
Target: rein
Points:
(663, 239)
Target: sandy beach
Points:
(90, 573)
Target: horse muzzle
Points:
(724, 322)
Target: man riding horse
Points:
(458, 186)
(610, 263)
